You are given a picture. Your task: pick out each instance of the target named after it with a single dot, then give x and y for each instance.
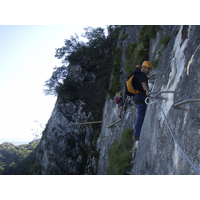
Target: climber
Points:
(141, 84)
(119, 101)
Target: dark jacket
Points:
(138, 79)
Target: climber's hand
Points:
(148, 93)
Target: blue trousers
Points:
(141, 110)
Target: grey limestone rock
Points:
(72, 149)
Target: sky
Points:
(27, 59)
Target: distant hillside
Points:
(15, 141)
(16, 160)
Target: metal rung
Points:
(97, 122)
(152, 78)
(114, 123)
(156, 96)
(176, 105)
(158, 93)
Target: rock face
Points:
(111, 110)
(68, 149)
(83, 149)
(157, 152)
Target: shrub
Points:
(124, 36)
(156, 60)
(136, 53)
(69, 90)
(119, 160)
(129, 52)
(115, 83)
(165, 40)
(148, 31)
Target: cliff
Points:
(84, 149)
(157, 152)
(68, 149)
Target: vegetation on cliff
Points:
(16, 160)
(97, 62)
(115, 85)
(137, 52)
(95, 58)
(119, 161)
(85, 75)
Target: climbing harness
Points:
(175, 106)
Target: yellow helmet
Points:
(147, 64)
(119, 93)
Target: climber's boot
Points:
(135, 138)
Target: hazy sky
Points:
(26, 62)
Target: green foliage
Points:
(136, 53)
(93, 57)
(36, 168)
(165, 40)
(119, 154)
(16, 160)
(124, 36)
(69, 90)
(147, 32)
(115, 83)
(156, 60)
(57, 77)
(129, 52)
(130, 57)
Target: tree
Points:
(17, 159)
(69, 90)
(56, 79)
(93, 57)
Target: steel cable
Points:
(195, 168)
(191, 163)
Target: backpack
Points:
(117, 100)
(129, 87)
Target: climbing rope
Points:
(156, 101)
